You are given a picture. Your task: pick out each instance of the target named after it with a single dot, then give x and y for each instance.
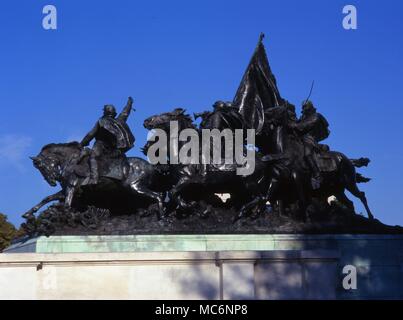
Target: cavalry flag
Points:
(258, 90)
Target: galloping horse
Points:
(194, 180)
(67, 163)
(277, 138)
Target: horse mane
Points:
(179, 114)
(182, 115)
(73, 144)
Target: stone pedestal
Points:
(202, 267)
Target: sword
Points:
(310, 92)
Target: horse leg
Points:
(259, 200)
(139, 188)
(69, 196)
(301, 194)
(57, 196)
(341, 196)
(72, 185)
(352, 187)
(281, 209)
(183, 204)
(175, 191)
(207, 208)
(247, 207)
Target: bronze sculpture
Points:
(113, 137)
(292, 170)
(313, 128)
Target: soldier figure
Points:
(113, 137)
(313, 128)
(291, 114)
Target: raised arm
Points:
(126, 110)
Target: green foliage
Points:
(7, 232)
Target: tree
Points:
(7, 232)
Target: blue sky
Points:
(189, 54)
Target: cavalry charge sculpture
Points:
(293, 173)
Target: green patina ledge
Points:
(170, 243)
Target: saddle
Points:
(115, 168)
(108, 166)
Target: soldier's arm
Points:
(202, 115)
(306, 125)
(90, 135)
(124, 115)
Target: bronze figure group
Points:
(292, 166)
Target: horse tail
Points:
(350, 180)
(361, 162)
(361, 179)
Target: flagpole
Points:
(261, 37)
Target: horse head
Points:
(53, 158)
(162, 121)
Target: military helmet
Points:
(218, 104)
(109, 109)
(308, 105)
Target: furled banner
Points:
(258, 89)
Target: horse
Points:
(194, 180)
(220, 119)
(293, 181)
(67, 164)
